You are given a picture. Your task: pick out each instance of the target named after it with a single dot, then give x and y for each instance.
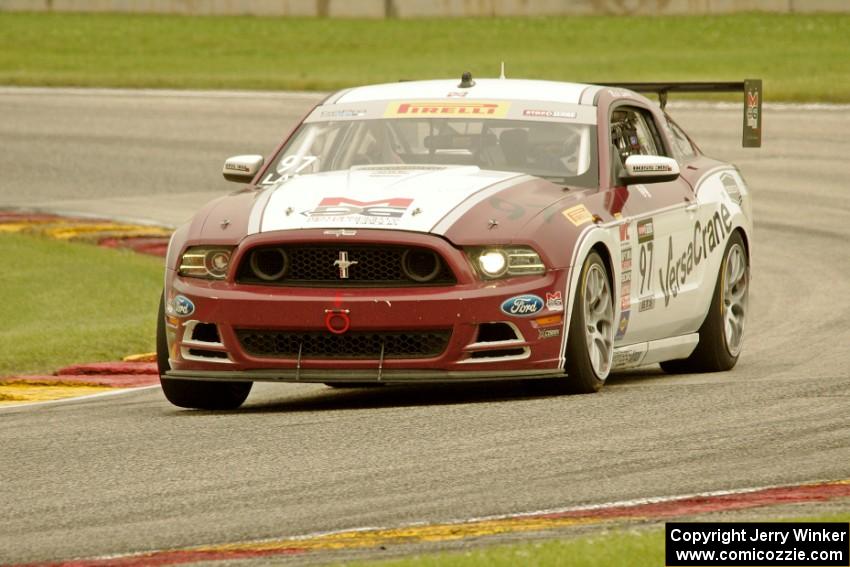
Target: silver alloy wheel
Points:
(598, 320)
(735, 287)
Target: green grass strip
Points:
(800, 57)
(634, 547)
(67, 303)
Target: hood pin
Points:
(492, 223)
(225, 223)
(288, 211)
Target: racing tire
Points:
(589, 354)
(722, 332)
(194, 394)
(590, 345)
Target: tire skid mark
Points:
(653, 509)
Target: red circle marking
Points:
(336, 328)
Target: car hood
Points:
(413, 198)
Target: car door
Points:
(657, 219)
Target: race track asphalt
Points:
(132, 473)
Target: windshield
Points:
(561, 152)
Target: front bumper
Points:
(462, 308)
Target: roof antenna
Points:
(466, 80)
(502, 74)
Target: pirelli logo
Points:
(444, 108)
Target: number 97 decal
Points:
(646, 237)
(289, 166)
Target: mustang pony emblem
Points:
(343, 264)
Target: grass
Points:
(65, 303)
(633, 547)
(800, 57)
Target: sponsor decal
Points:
(753, 109)
(731, 186)
(554, 302)
(340, 232)
(707, 238)
(647, 303)
(522, 305)
(342, 113)
(237, 166)
(625, 290)
(457, 94)
(182, 306)
(651, 167)
(547, 113)
(578, 215)
(624, 232)
(342, 209)
(623, 326)
(549, 333)
(626, 259)
(645, 231)
(626, 358)
(443, 108)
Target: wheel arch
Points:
(597, 239)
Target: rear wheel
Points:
(721, 334)
(196, 394)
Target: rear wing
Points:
(752, 100)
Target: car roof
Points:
(491, 89)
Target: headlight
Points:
(210, 262)
(493, 263)
(497, 262)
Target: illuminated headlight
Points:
(495, 263)
(210, 262)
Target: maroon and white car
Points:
(441, 232)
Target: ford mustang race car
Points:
(439, 231)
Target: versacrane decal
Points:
(183, 306)
(706, 239)
(522, 305)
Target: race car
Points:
(445, 231)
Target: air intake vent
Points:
(360, 344)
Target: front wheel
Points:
(590, 345)
(722, 333)
(196, 394)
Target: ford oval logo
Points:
(522, 305)
(183, 306)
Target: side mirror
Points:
(649, 169)
(242, 169)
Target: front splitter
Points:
(365, 376)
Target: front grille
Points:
(354, 344)
(318, 266)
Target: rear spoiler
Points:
(752, 100)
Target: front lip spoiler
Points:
(364, 376)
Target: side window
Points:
(682, 146)
(633, 132)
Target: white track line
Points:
(516, 515)
(115, 392)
